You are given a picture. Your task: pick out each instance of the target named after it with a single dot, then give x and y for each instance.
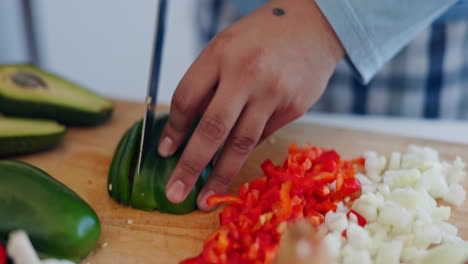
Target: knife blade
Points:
(153, 81)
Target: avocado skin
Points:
(25, 144)
(62, 113)
(148, 186)
(20, 145)
(59, 223)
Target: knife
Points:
(153, 82)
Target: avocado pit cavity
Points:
(28, 80)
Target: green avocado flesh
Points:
(21, 136)
(28, 91)
(59, 223)
(146, 190)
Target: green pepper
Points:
(120, 184)
(59, 223)
(145, 190)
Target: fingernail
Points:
(165, 147)
(202, 201)
(175, 192)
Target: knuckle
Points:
(176, 127)
(242, 144)
(297, 110)
(276, 89)
(222, 179)
(191, 167)
(254, 63)
(220, 43)
(180, 103)
(213, 128)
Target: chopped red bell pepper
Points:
(217, 199)
(323, 191)
(259, 184)
(350, 187)
(361, 220)
(325, 206)
(3, 255)
(323, 177)
(283, 207)
(229, 214)
(243, 190)
(339, 181)
(359, 161)
(253, 221)
(344, 233)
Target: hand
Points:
(256, 76)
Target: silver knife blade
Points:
(153, 81)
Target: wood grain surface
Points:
(82, 163)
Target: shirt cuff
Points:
(373, 32)
(361, 53)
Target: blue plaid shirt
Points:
(419, 71)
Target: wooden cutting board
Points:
(82, 162)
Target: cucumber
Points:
(59, 223)
(21, 136)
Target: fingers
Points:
(255, 124)
(276, 122)
(240, 143)
(213, 129)
(280, 118)
(193, 91)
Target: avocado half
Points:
(22, 136)
(26, 90)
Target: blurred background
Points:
(104, 45)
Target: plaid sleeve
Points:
(374, 31)
(213, 16)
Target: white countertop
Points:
(444, 130)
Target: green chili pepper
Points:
(146, 190)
